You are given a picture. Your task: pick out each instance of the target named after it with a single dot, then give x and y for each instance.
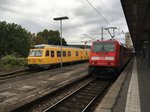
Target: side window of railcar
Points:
(69, 53)
(47, 53)
(77, 53)
(64, 53)
(58, 53)
(52, 54)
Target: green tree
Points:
(38, 40)
(52, 37)
(44, 33)
(14, 39)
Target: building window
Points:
(58, 53)
(47, 53)
(52, 54)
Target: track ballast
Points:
(81, 99)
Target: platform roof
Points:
(137, 14)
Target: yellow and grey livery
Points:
(45, 55)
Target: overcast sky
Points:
(37, 15)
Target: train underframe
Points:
(103, 72)
(39, 66)
(47, 66)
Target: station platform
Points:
(130, 92)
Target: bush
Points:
(11, 60)
(22, 61)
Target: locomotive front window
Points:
(103, 47)
(37, 53)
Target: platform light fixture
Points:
(60, 19)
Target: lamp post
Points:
(60, 19)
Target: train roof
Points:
(41, 46)
(112, 40)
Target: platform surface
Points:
(133, 92)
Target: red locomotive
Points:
(107, 58)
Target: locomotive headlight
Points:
(109, 58)
(111, 63)
(95, 58)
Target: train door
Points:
(81, 55)
(64, 56)
(58, 56)
(47, 57)
(52, 55)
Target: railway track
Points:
(81, 99)
(25, 72)
(85, 93)
(17, 73)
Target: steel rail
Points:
(16, 74)
(91, 100)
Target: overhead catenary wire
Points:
(110, 13)
(106, 9)
(99, 13)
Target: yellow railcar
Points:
(44, 56)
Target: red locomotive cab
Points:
(107, 58)
(103, 54)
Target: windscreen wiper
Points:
(103, 49)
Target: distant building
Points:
(128, 40)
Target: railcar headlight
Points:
(111, 63)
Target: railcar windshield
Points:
(103, 47)
(37, 53)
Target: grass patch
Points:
(12, 62)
